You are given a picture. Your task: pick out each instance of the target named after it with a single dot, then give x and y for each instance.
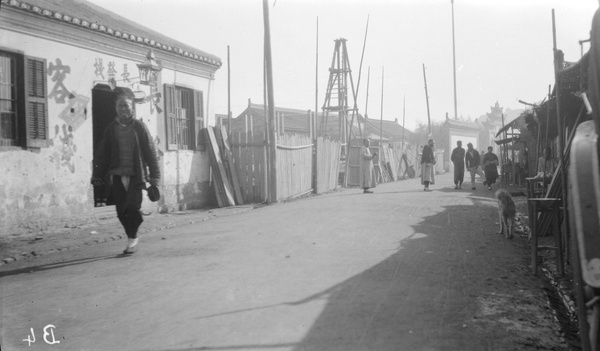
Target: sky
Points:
(504, 50)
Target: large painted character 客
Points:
(58, 72)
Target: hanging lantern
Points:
(149, 70)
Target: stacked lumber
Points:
(224, 176)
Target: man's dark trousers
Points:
(128, 203)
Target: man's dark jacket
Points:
(472, 161)
(144, 154)
(458, 156)
(428, 156)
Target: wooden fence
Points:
(328, 164)
(249, 157)
(295, 165)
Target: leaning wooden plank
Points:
(228, 160)
(220, 167)
(222, 155)
(213, 176)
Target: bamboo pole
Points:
(561, 133)
(367, 98)
(427, 101)
(270, 107)
(403, 120)
(316, 79)
(503, 154)
(315, 163)
(454, 63)
(355, 92)
(228, 94)
(381, 117)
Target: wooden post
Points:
(316, 76)
(454, 63)
(228, 95)
(270, 107)
(514, 168)
(427, 101)
(403, 120)
(560, 127)
(381, 117)
(503, 155)
(367, 97)
(355, 92)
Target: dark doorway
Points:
(103, 112)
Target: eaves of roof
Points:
(88, 16)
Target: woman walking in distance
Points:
(490, 164)
(427, 165)
(366, 178)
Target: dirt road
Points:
(400, 269)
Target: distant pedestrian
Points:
(127, 160)
(367, 177)
(547, 165)
(458, 159)
(473, 164)
(427, 165)
(490, 164)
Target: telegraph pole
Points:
(454, 62)
(270, 108)
(427, 100)
(228, 95)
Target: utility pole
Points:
(454, 62)
(270, 108)
(381, 117)
(559, 122)
(427, 101)
(403, 120)
(228, 95)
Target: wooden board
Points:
(229, 166)
(220, 172)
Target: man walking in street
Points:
(126, 160)
(458, 159)
(473, 162)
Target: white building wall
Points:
(46, 186)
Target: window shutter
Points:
(198, 120)
(171, 116)
(36, 103)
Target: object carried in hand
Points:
(153, 193)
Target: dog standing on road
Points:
(507, 212)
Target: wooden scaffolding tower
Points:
(336, 97)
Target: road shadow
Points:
(402, 303)
(424, 296)
(62, 264)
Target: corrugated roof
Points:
(390, 129)
(88, 16)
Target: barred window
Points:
(23, 101)
(184, 117)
